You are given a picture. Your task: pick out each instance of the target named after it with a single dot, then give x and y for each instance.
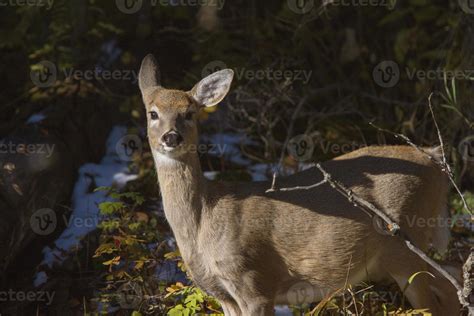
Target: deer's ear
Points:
(149, 76)
(212, 89)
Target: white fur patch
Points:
(161, 160)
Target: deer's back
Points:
(319, 228)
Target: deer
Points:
(253, 249)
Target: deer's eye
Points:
(153, 115)
(189, 116)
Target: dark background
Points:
(345, 47)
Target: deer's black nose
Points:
(172, 139)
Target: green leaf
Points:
(102, 189)
(394, 16)
(107, 248)
(418, 3)
(177, 310)
(109, 208)
(427, 14)
(402, 43)
(414, 275)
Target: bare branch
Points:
(468, 276)
(392, 227)
(438, 268)
(288, 136)
(308, 187)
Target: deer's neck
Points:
(183, 190)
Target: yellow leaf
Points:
(139, 264)
(210, 109)
(113, 261)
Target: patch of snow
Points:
(210, 175)
(121, 179)
(259, 171)
(227, 145)
(40, 278)
(283, 311)
(110, 54)
(36, 118)
(85, 212)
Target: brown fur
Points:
(252, 249)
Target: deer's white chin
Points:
(164, 158)
(165, 153)
(169, 149)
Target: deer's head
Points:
(171, 114)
